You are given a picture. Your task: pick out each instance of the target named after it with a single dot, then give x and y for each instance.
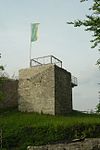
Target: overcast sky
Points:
(69, 44)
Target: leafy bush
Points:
(98, 108)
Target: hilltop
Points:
(23, 129)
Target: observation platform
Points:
(50, 59)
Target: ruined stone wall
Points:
(9, 89)
(36, 89)
(63, 91)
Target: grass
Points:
(23, 129)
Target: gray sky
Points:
(69, 44)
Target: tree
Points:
(91, 23)
(1, 93)
(1, 68)
(98, 107)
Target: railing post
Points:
(61, 64)
(51, 59)
(74, 80)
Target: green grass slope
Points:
(23, 129)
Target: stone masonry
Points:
(45, 89)
(10, 91)
(63, 91)
(88, 144)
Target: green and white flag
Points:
(34, 31)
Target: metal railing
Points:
(74, 81)
(50, 59)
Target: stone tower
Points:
(45, 88)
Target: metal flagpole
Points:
(30, 53)
(30, 47)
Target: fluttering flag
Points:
(34, 31)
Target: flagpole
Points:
(30, 47)
(30, 53)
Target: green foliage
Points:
(1, 68)
(98, 61)
(98, 108)
(23, 129)
(91, 23)
(1, 93)
(2, 96)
